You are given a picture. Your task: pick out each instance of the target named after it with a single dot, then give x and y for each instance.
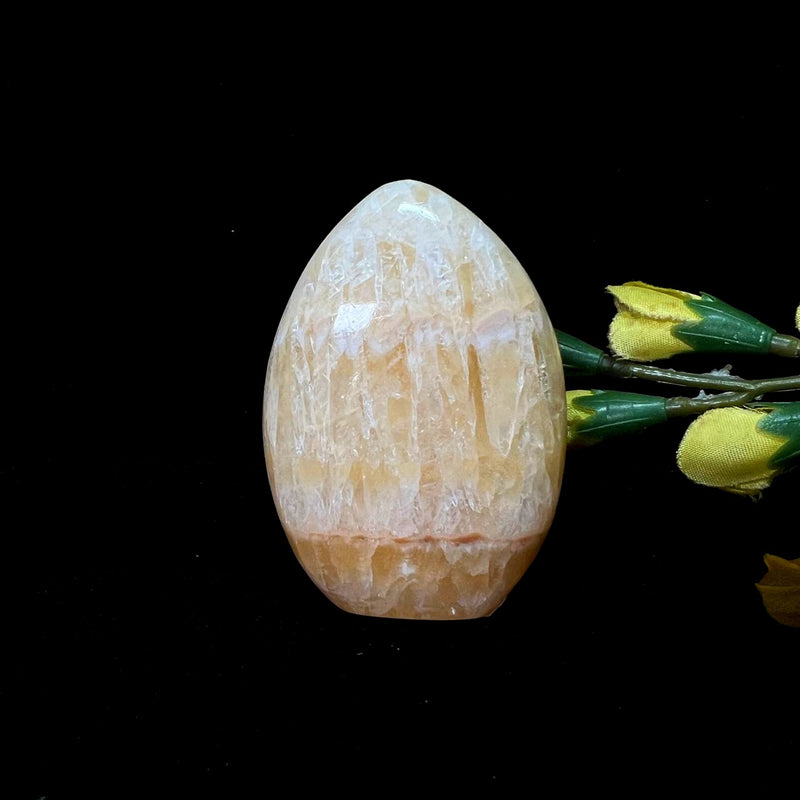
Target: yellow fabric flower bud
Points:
(646, 315)
(780, 590)
(726, 448)
(575, 414)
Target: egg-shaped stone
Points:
(414, 412)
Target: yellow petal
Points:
(797, 318)
(575, 415)
(724, 448)
(639, 338)
(780, 590)
(781, 571)
(654, 302)
(782, 603)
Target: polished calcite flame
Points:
(414, 420)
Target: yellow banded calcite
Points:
(414, 412)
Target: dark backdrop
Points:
(156, 623)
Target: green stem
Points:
(747, 389)
(687, 406)
(783, 345)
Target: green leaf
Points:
(618, 413)
(783, 420)
(723, 329)
(578, 357)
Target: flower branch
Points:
(717, 381)
(738, 442)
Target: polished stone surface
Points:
(414, 420)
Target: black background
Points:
(156, 625)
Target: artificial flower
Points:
(654, 323)
(742, 448)
(594, 414)
(780, 590)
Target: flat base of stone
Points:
(419, 578)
